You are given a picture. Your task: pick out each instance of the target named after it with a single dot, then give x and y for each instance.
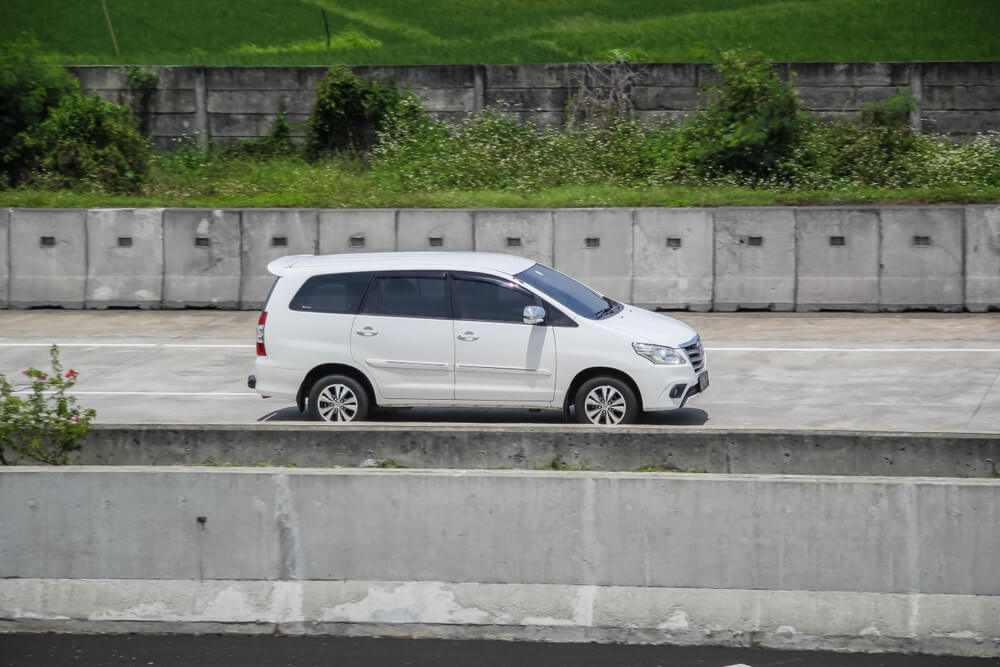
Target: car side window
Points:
(491, 301)
(333, 293)
(407, 296)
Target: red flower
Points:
(76, 420)
(44, 378)
(71, 373)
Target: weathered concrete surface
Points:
(4, 256)
(432, 229)
(201, 258)
(267, 235)
(805, 561)
(982, 258)
(754, 259)
(595, 247)
(124, 258)
(542, 446)
(528, 233)
(837, 259)
(922, 258)
(673, 263)
(357, 230)
(48, 258)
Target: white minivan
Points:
(341, 334)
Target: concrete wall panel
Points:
(201, 262)
(4, 257)
(268, 234)
(672, 259)
(754, 259)
(357, 230)
(922, 264)
(838, 256)
(515, 232)
(48, 258)
(124, 257)
(434, 229)
(595, 247)
(982, 258)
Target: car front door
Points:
(403, 336)
(499, 358)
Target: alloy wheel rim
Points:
(337, 403)
(605, 405)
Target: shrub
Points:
(141, 85)
(277, 143)
(84, 140)
(46, 425)
(751, 125)
(30, 83)
(348, 113)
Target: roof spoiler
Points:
(280, 266)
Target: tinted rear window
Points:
(334, 293)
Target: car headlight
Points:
(660, 354)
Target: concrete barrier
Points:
(837, 259)
(268, 234)
(124, 258)
(357, 230)
(431, 229)
(754, 259)
(673, 262)
(554, 446)
(48, 258)
(595, 247)
(201, 263)
(921, 259)
(527, 233)
(806, 562)
(982, 258)
(4, 257)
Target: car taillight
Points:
(261, 350)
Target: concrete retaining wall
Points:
(793, 258)
(857, 563)
(225, 104)
(550, 446)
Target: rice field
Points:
(324, 32)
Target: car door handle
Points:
(367, 331)
(468, 335)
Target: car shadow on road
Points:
(682, 417)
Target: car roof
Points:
(395, 261)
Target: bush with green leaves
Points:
(84, 143)
(30, 84)
(348, 113)
(43, 425)
(751, 124)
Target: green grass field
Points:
(291, 32)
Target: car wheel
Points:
(606, 401)
(338, 398)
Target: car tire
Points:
(338, 398)
(606, 401)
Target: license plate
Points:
(703, 381)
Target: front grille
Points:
(695, 353)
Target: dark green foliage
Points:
(142, 85)
(347, 113)
(84, 141)
(30, 83)
(751, 124)
(893, 112)
(277, 143)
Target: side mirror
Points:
(534, 315)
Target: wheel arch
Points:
(333, 369)
(598, 371)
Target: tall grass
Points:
(291, 32)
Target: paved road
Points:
(229, 651)
(801, 371)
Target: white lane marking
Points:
(152, 393)
(136, 345)
(936, 350)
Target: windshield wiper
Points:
(603, 312)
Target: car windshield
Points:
(577, 297)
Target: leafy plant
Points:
(142, 84)
(348, 112)
(84, 140)
(46, 425)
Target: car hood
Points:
(648, 327)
